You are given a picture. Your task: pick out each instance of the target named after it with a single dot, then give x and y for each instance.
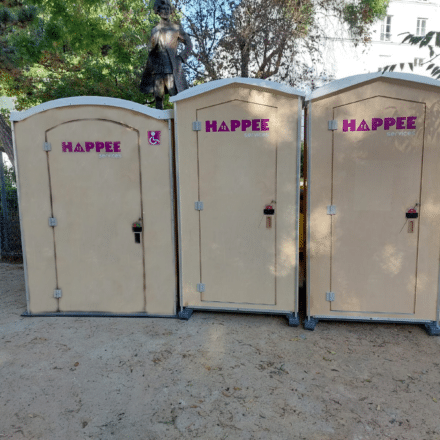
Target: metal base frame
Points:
(310, 324)
(93, 315)
(432, 328)
(293, 320)
(241, 310)
(185, 314)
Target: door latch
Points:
(137, 229)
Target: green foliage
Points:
(52, 49)
(19, 15)
(27, 15)
(5, 113)
(10, 178)
(430, 40)
(359, 15)
(80, 76)
(69, 48)
(5, 16)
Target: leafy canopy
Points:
(430, 40)
(53, 49)
(75, 48)
(362, 14)
(277, 39)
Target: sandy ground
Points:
(217, 376)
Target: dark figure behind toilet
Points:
(163, 73)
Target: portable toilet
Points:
(238, 168)
(96, 205)
(373, 200)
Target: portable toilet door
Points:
(373, 200)
(238, 159)
(95, 190)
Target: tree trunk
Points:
(6, 139)
(245, 56)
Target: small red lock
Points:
(412, 213)
(268, 210)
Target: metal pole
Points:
(23, 244)
(3, 205)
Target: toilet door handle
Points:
(137, 229)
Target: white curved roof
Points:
(212, 85)
(93, 100)
(350, 81)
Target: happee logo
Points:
(400, 123)
(235, 124)
(108, 147)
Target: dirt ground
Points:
(217, 376)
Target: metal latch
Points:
(197, 126)
(412, 213)
(330, 296)
(47, 146)
(200, 288)
(333, 124)
(331, 210)
(198, 206)
(57, 293)
(53, 221)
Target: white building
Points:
(414, 16)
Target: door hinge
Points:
(331, 210)
(200, 288)
(57, 293)
(330, 296)
(333, 124)
(47, 146)
(197, 126)
(53, 221)
(198, 206)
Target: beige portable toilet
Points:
(373, 211)
(238, 159)
(96, 208)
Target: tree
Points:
(84, 47)
(430, 40)
(52, 49)
(63, 48)
(266, 38)
(14, 16)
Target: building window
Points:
(418, 61)
(385, 29)
(421, 27)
